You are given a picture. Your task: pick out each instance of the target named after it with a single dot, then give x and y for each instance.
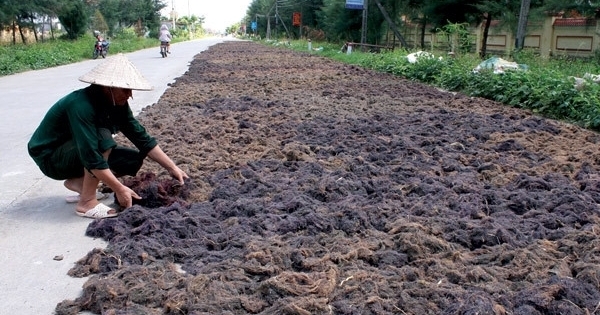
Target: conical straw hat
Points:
(117, 71)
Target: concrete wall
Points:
(554, 36)
(6, 36)
(551, 37)
(43, 29)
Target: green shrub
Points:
(456, 75)
(425, 69)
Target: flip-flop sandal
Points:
(100, 211)
(75, 198)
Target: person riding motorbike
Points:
(98, 36)
(165, 37)
(101, 43)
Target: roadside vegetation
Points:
(22, 57)
(549, 87)
(553, 88)
(39, 34)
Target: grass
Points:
(23, 57)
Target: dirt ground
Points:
(323, 188)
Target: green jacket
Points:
(77, 117)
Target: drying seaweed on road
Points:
(323, 188)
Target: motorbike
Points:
(163, 49)
(101, 49)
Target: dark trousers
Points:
(65, 162)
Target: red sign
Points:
(297, 19)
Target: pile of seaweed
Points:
(432, 211)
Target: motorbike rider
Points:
(165, 37)
(98, 36)
(101, 40)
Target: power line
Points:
(290, 3)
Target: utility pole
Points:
(363, 36)
(391, 23)
(280, 19)
(282, 22)
(173, 12)
(522, 27)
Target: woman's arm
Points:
(160, 157)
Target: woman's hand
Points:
(178, 174)
(125, 196)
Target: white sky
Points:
(218, 14)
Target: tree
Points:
(192, 23)
(144, 15)
(445, 12)
(110, 12)
(339, 23)
(73, 16)
(98, 22)
(145, 12)
(309, 10)
(413, 10)
(6, 12)
(573, 8)
(493, 9)
(46, 10)
(391, 22)
(263, 13)
(511, 17)
(233, 29)
(23, 15)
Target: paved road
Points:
(36, 224)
